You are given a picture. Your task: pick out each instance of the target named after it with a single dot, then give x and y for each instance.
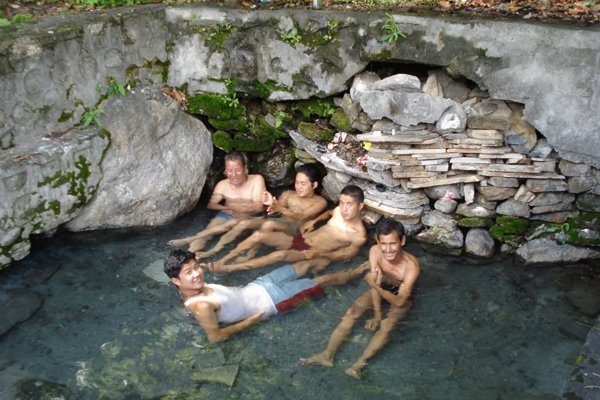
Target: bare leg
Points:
(275, 257)
(250, 254)
(241, 226)
(379, 339)
(216, 225)
(342, 277)
(340, 333)
(278, 240)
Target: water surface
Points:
(107, 331)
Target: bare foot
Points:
(217, 266)
(197, 245)
(204, 254)
(243, 258)
(354, 373)
(318, 359)
(177, 242)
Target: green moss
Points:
(315, 132)
(65, 116)
(77, 181)
(340, 120)
(217, 34)
(222, 140)
(262, 128)
(251, 142)
(263, 90)
(315, 107)
(238, 124)
(214, 106)
(475, 222)
(509, 229)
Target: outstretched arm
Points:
(310, 225)
(206, 315)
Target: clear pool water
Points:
(107, 331)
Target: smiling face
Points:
(391, 245)
(235, 171)
(191, 277)
(349, 207)
(304, 187)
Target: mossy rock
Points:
(340, 120)
(222, 140)
(262, 128)
(322, 108)
(237, 124)
(509, 229)
(39, 389)
(475, 222)
(315, 132)
(214, 106)
(248, 142)
(583, 230)
(262, 90)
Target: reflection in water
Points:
(106, 330)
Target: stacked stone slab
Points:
(447, 145)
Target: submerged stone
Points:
(225, 374)
(17, 305)
(40, 389)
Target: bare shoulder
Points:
(256, 179)
(413, 261)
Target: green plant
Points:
(91, 116)
(279, 118)
(391, 31)
(293, 37)
(230, 98)
(218, 33)
(332, 26)
(16, 19)
(114, 87)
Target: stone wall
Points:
(59, 74)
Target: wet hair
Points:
(175, 261)
(236, 156)
(388, 225)
(355, 192)
(311, 171)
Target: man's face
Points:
(235, 172)
(304, 187)
(191, 276)
(349, 207)
(391, 245)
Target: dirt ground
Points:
(586, 12)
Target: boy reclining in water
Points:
(277, 291)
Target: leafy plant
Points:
(279, 118)
(16, 19)
(114, 87)
(293, 37)
(391, 30)
(218, 33)
(91, 116)
(230, 98)
(332, 26)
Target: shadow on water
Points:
(106, 330)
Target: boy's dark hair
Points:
(175, 260)
(388, 225)
(311, 171)
(355, 192)
(236, 155)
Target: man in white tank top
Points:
(241, 307)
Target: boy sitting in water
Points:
(393, 274)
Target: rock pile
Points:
(452, 164)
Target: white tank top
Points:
(238, 303)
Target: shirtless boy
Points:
(392, 276)
(235, 198)
(339, 239)
(278, 291)
(294, 206)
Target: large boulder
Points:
(547, 251)
(156, 165)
